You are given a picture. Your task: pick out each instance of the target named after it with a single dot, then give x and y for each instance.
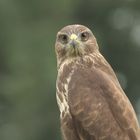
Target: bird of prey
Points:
(92, 104)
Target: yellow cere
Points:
(73, 36)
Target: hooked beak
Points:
(73, 40)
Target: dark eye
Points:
(84, 36)
(63, 38)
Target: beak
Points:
(73, 40)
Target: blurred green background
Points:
(28, 108)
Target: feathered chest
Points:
(62, 88)
(65, 73)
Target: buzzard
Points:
(92, 104)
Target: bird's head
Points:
(75, 41)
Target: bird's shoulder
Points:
(94, 90)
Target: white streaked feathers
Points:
(63, 106)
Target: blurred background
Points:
(28, 108)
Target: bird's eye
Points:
(63, 38)
(84, 36)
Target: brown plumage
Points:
(92, 104)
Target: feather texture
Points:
(92, 104)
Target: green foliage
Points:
(28, 109)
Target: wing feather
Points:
(101, 108)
